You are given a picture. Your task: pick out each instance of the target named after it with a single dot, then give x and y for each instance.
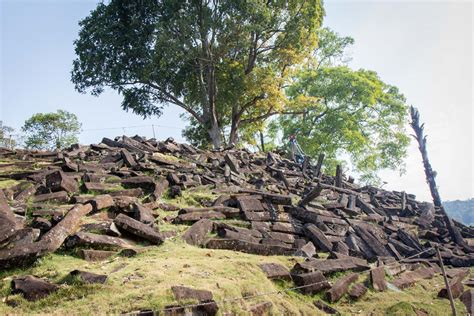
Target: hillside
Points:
(134, 225)
(461, 210)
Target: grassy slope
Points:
(144, 282)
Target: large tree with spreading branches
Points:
(223, 62)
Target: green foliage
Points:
(461, 210)
(6, 139)
(223, 62)
(346, 113)
(51, 130)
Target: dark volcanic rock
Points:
(357, 291)
(59, 181)
(340, 287)
(32, 288)
(377, 277)
(326, 308)
(197, 234)
(249, 247)
(138, 229)
(89, 277)
(275, 271)
(312, 282)
(96, 255)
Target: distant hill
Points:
(462, 211)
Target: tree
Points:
(347, 113)
(223, 62)
(6, 139)
(51, 130)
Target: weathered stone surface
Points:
(372, 242)
(236, 234)
(249, 247)
(23, 236)
(311, 283)
(408, 278)
(96, 255)
(457, 273)
(8, 223)
(143, 182)
(42, 224)
(232, 163)
(96, 241)
(59, 181)
(128, 158)
(142, 214)
(32, 288)
(60, 196)
(377, 278)
(249, 204)
(357, 291)
(332, 265)
(289, 228)
(186, 293)
(197, 216)
(314, 193)
(317, 237)
(138, 229)
(456, 286)
(258, 216)
(100, 202)
(340, 287)
(196, 235)
(98, 187)
(275, 271)
(229, 212)
(468, 300)
(49, 242)
(308, 250)
(286, 238)
(89, 277)
(326, 308)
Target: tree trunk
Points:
(215, 135)
(234, 131)
(430, 178)
(421, 139)
(262, 141)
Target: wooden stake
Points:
(448, 288)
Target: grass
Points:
(190, 197)
(144, 281)
(8, 183)
(169, 158)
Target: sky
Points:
(425, 48)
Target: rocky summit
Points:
(128, 197)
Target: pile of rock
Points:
(283, 208)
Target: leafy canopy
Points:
(51, 130)
(6, 137)
(223, 62)
(347, 113)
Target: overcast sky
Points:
(425, 48)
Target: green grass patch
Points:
(8, 183)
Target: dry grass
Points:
(144, 282)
